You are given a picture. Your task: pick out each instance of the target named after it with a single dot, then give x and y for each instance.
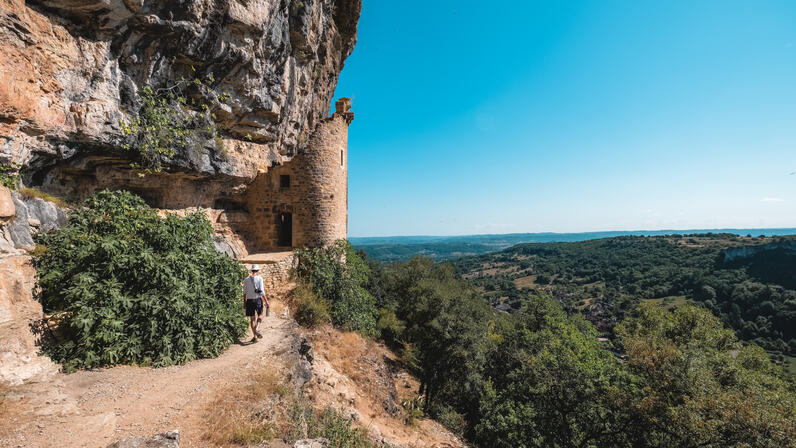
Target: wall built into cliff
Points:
(73, 71)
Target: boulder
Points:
(311, 443)
(45, 214)
(19, 228)
(31, 215)
(170, 439)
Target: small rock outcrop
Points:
(311, 443)
(170, 439)
(31, 215)
(20, 360)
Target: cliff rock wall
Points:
(72, 69)
(742, 252)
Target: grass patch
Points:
(528, 281)
(265, 408)
(668, 303)
(30, 193)
(309, 310)
(236, 416)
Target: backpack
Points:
(257, 289)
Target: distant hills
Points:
(398, 248)
(749, 282)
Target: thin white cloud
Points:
(772, 200)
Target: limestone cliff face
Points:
(69, 68)
(741, 252)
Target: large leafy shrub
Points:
(134, 287)
(337, 276)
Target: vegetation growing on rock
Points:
(9, 175)
(131, 287)
(166, 122)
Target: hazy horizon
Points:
(779, 232)
(571, 116)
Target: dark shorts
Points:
(254, 305)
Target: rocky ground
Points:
(95, 408)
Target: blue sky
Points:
(524, 116)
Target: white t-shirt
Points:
(251, 284)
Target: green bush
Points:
(310, 310)
(413, 409)
(449, 418)
(340, 432)
(135, 288)
(9, 175)
(338, 275)
(390, 328)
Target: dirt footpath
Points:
(96, 408)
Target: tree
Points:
(552, 384)
(702, 387)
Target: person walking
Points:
(253, 296)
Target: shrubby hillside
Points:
(540, 377)
(750, 283)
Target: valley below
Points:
(750, 282)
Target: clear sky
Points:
(524, 116)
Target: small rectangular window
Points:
(284, 181)
(342, 162)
